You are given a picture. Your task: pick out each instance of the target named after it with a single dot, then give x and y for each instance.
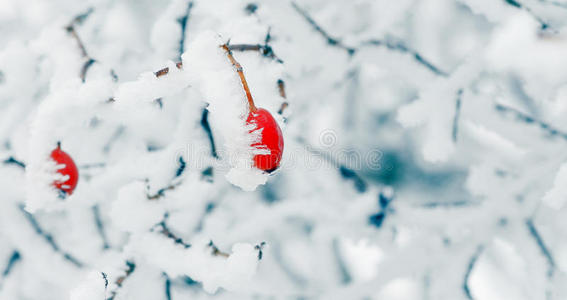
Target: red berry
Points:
(69, 170)
(272, 139)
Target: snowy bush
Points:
(423, 153)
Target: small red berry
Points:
(271, 134)
(272, 139)
(67, 168)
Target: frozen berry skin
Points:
(69, 169)
(272, 139)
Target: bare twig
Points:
(522, 117)
(469, 270)
(181, 168)
(100, 227)
(347, 173)
(265, 50)
(216, 251)
(543, 25)
(105, 278)
(554, 3)
(346, 278)
(207, 127)
(71, 30)
(161, 192)
(330, 40)
(120, 281)
(14, 258)
(260, 248)
(388, 43)
(164, 71)
(92, 166)
(12, 161)
(240, 72)
(542, 246)
(281, 89)
(397, 45)
(167, 287)
(183, 23)
(166, 232)
(457, 114)
(49, 238)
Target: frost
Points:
(557, 195)
(92, 288)
(232, 273)
(424, 149)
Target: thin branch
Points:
(181, 168)
(388, 43)
(183, 23)
(449, 204)
(164, 71)
(167, 287)
(541, 244)
(119, 131)
(457, 115)
(514, 3)
(347, 173)
(73, 32)
(86, 67)
(265, 50)
(166, 232)
(554, 3)
(216, 251)
(92, 166)
(161, 192)
(399, 46)
(14, 258)
(260, 249)
(469, 270)
(207, 127)
(346, 278)
(522, 117)
(105, 278)
(281, 89)
(12, 161)
(100, 227)
(120, 281)
(49, 238)
(335, 42)
(208, 210)
(240, 72)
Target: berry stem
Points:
(58, 145)
(240, 72)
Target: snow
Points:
(425, 150)
(556, 196)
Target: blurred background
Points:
(424, 150)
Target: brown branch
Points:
(216, 251)
(170, 235)
(281, 89)
(165, 71)
(161, 192)
(131, 267)
(332, 41)
(265, 50)
(240, 72)
(71, 30)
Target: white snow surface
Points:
(425, 150)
